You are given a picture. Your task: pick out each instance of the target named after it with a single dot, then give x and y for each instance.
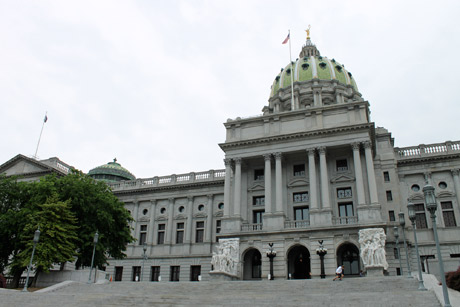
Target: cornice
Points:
(297, 135)
(219, 182)
(421, 160)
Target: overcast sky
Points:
(152, 82)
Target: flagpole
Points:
(39, 138)
(292, 73)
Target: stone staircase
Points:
(382, 291)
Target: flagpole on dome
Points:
(288, 38)
(39, 138)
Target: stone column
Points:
(169, 233)
(209, 225)
(188, 232)
(227, 186)
(237, 190)
(371, 174)
(136, 217)
(268, 183)
(312, 175)
(279, 182)
(151, 229)
(358, 174)
(455, 175)
(326, 204)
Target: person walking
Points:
(339, 273)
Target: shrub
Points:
(453, 279)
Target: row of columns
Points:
(314, 197)
(169, 235)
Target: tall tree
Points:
(58, 236)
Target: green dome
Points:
(111, 172)
(312, 66)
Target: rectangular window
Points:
(175, 272)
(257, 216)
(420, 217)
(195, 272)
(344, 193)
(448, 214)
(136, 273)
(346, 209)
(118, 273)
(301, 214)
(398, 271)
(299, 170)
(143, 234)
(391, 213)
(199, 232)
(161, 234)
(389, 196)
(180, 233)
(155, 273)
(259, 174)
(300, 197)
(218, 226)
(386, 176)
(342, 165)
(258, 200)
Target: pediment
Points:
(200, 214)
(181, 217)
(218, 214)
(445, 194)
(161, 218)
(257, 187)
(22, 165)
(298, 182)
(342, 178)
(143, 219)
(417, 196)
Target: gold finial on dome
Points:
(308, 31)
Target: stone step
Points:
(384, 291)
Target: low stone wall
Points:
(55, 277)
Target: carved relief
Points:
(226, 257)
(372, 246)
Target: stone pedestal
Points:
(274, 221)
(221, 276)
(369, 214)
(374, 271)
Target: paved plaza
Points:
(384, 291)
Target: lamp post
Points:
(402, 222)
(144, 257)
(431, 205)
(321, 251)
(36, 238)
(271, 254)
(96, 237)
(411, 212)
(396, 234)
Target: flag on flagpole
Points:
(286, 39)
(45, 119)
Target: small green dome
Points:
(111, 172)
(312, 66)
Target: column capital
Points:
(210, 196)
(228, 162)
(322, 150)
(171, 199)
(311, 151)
(355, 146)
(190, 198)
(267, 157)
(455, 171)
(278, 155)
(153, 201)
(367, 145)
(238, 160)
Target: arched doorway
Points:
(348, 256)
(252, 268)
(299, 263)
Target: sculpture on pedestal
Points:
(226, 257)
(372, 243)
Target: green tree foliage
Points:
(24, 205)
(58, 235)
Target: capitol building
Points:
(312, 168)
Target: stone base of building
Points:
(374, 271)
(222, 276)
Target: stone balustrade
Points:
(345, 220)
(423, 150)
(158, 181)
(251, 227)
(296, 224)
